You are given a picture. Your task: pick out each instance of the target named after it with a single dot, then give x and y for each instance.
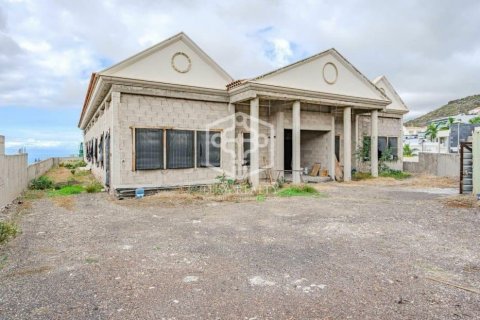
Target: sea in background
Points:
(36, 154)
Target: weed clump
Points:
(7, 230)
(41, 183)
(303, 190)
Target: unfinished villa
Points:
(170, 116)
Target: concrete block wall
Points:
(16, 174)
(38, 169)
(388, 126)
(436, 164)
(13, 175)
(160, 112)
(102, 125)
(314, 148)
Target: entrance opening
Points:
(287, 149)
(314, 148)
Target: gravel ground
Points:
(363, 252)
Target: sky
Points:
(429, 50)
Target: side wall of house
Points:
(389, 125)
(141, 111)
(101, 125)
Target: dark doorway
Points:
(337, 147)
(287, 150)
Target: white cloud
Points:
(282, 52)
(428, 49)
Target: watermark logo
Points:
(227, 145)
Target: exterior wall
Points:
(388, 126)
(13, 175)
(436, 164)
(101, 125)
(160, 112)
(40, 168)
(314, 148)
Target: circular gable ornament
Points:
(181, 62)
(330, 73)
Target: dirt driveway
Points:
(365, 251)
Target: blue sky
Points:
(429, 50)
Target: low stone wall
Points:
(13, 176)
(16, 174)
(436, 164)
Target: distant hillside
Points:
(450, 109)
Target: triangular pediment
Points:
(326, 72)
(177, 60)
(385, 86)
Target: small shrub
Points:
(298, 190)
(396, 174)
(66, 191)
(93, 187)
(7, 230)
(41, 183)
(261, 198)
(357, 176)
(407, 151)
(74, 165)
(72, 171)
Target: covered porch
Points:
(306, 133)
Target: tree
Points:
(432, 131)
(475, 120)
(407, 151)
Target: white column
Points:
(115, 144)
(374, 144)
(296, 142)
(279, 139)
(230, 143)
(333, 161)
(347, 144)
(254, 135)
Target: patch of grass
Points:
(93, 187)
(66, 191)
(41, 183)
(396, 174)
(73, 164)
(91, 260)
(3, 261)
(33, 194)
(261, 197)
(303, 190)
(7, 230)
(357, 176)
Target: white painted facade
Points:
(175, 85)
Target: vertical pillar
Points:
(230, 143)
(296, 142)
(347, 144)
(333, 160)
(374, 144)
(279, 139)
(115, 146)
(254, 144)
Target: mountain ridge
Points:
(452, 108)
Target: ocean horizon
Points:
(39, 154)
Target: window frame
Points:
(135, 151)
(167, 162)
(197, 146)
